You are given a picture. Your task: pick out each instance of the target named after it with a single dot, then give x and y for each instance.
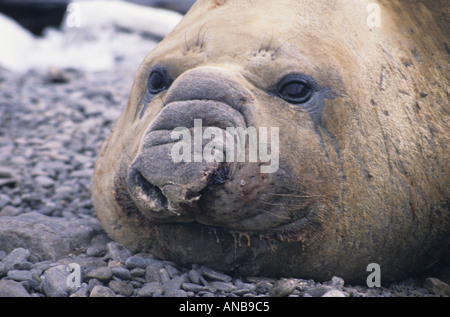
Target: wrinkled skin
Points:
(363, 171)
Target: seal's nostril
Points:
(139, 184)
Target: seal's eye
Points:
(294, 89)
(158, 80)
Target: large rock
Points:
(49, 238)
(10, 288)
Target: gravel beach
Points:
(51, 127)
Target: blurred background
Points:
(90, 35)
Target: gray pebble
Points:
(180, 293)
(152, 273)
(171, 287)
(16, 259)
(215, 275)
(164, 276)
(138, 261)
(9, 211)
(333, 293)
(121, 272)
(83, 291)
(121, 287)
(138, 272)
(263, 287)
(103, 274)
(436, 286)
(20, 275)
(4, 200)
(151, 290)
(102, 291)
(172, 271)
(337, 282)
(222, 286)
(54, 283)
(318, 290)
(44, 181)
(93, 283)
(10, 288)
(117, 252)
(282, 288)
(190, 287)
(194, 276)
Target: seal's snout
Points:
(170, 175)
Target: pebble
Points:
(14, 260)
(102, 291)
(171, 287)
(54, 283)
(10, 288)
(436, 286)
(282, 288)
(215, 275)
(103, 274)
(138, 261)
(333, 293)
(121, 287)
(121, 272)
(152, 289)
(117, 252)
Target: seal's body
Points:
(361, 115)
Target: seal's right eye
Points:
(159, 80)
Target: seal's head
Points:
(285, 138)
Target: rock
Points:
(164, 276)
(151, 290)
(4, 200)
(282, 288)
(121, 272)
(171, 287)
(44, 181)
(117, 252)
(263, 287)
(319, 290)
(97, 246)
(20, 275)
(190, 287)
(121, 287)
(215, 275)
(54, 283)
(9, 211)
(337, 282)
(102, 291)
(222, 286)
(57, 236)
(195, 277)
(436, 286)
(103, 274)
(10, 288)
(83, 291)
(333, 293)
(152, 273)
(139, 261)
(14, 260)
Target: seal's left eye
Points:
(159, 80)
(294, 89)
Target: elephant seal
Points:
(354, 108)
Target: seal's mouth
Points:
(165, 188)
